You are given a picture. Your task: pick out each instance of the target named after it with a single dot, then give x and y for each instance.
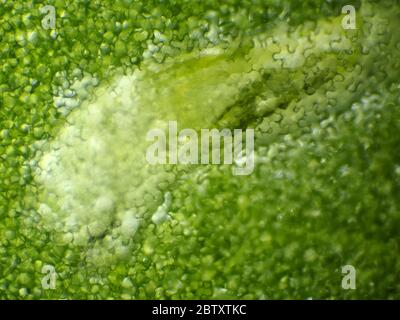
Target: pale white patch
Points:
(161, 213)
(97, 186)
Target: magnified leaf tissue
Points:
(206, 149)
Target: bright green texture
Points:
(324, 103)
